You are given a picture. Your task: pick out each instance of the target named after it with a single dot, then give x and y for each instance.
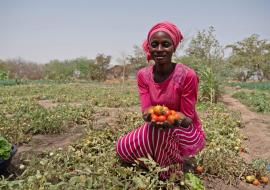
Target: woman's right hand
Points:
(146, 116)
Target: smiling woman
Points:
(174, 86)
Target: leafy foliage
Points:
(220, 157)
(22, 114)
(209, 86)
(206, 47)
(5, 148)
(193, 182)
(252, 85)
(204, 55)
(137, 60)
(256, 100)
(251, 53)
(3, 75)
(91, 163)
(260, 166)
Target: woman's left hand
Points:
(185, 122)
(162, 125)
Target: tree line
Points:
(247, 58)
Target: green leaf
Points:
(5, 148)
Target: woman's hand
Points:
(146, 116)
(174, 120)
(185, 122)
(162, 125)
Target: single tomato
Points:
(157, 110)
(167, 113)
(264, 179)
(164, 110)
(199, 169)
(250, 178)
(256, 182)
(154, 117)
(173, 112)
(161, 118)
(171, 119)
(150, 110)
(177, 116)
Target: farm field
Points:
(254, 95)
(69, 79)
(66, 134)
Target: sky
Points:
(44, 30)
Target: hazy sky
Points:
(42, 30)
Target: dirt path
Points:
(257, 128)
(257, 133)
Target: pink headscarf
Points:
(167, 27)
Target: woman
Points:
(170, 84)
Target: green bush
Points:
(252, 85)
(5, 148)
(258, 101)
(209, 86)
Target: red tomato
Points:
(161, 118)
(199, 169)
(154, 117)
(264, 179)
(256, 182)
(150, 110)
(177, 116)
(157, 110)
(171, 119)
(164, 110)
(173, 112)
(167, 113)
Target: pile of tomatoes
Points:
(162, 115)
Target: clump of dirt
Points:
(106, 117)
(47, 104)
(50, 104)
(41, 143)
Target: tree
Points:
(123, 62)
(21, 69)
(251, 53)
(82, 65)
(103, 62)
(3, 70)
(58, 70)
(205, 47)
(205, 55)
(137, 60)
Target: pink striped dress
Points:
(166, 146)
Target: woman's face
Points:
(161, 48)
